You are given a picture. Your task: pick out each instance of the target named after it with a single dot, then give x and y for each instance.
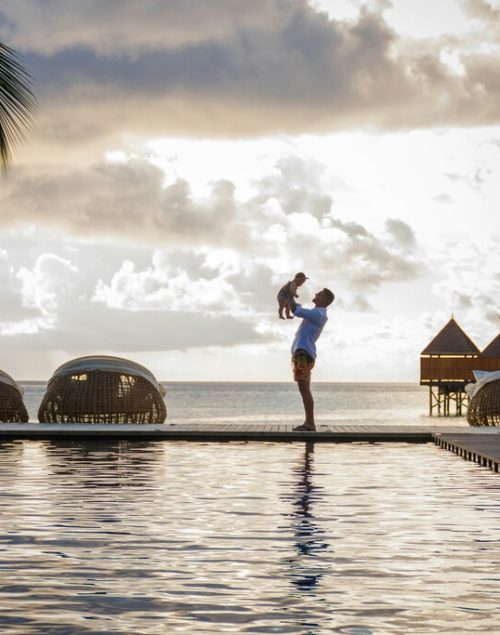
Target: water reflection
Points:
(123, 464)
(185, 539)
(307, 567)
(309, 536)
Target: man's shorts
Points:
(302, 364)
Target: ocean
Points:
(260, 403)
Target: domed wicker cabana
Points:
(484, 405)
(12, 408)
(102, 389)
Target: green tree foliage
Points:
(17, 103)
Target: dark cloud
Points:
(159, 330)
(82, 328)
(122, 199)
(129, 27)
(105, 70)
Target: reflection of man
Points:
(308, 566)
(304, 349)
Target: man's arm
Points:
(312, 315)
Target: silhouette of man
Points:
(304, 349)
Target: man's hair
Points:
(330, 296)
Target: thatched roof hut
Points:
(450, 358)
(493, 348)
(448, 363)
(451, 340)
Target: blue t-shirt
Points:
(313, 321)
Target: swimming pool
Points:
(246, 538)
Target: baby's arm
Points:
(293, 289)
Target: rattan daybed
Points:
(102, 389)
(12, 408)
(484, 404)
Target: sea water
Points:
(260, 403)
(210, 538)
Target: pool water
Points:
(203, 538)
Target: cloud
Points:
(167, 287)
(443, 198)
(402, 233)
(67, 309)
(14, 309)
(94, 329)
(122, 199)
(129, 27)
(482, 10)
(470, 285)
(366, 261)
(110, 73)
(49, 281)
(288, 225)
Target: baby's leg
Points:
(281, 306)
(289, 316)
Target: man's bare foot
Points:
(304, 428)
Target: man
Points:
(304, 349)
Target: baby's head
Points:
(300, 278)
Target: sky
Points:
(188, 157)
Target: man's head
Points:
(324, 298)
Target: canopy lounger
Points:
(484, 405)
(102, 389)
(12, 408)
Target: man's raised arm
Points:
(312, 315)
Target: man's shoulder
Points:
(316, 309)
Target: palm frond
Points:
(17, 103)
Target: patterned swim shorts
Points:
(302, 364)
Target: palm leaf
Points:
(17, 103)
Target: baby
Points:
(287, 293)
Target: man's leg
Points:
(308, 401)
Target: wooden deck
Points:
(483, 449)
(231, 432)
